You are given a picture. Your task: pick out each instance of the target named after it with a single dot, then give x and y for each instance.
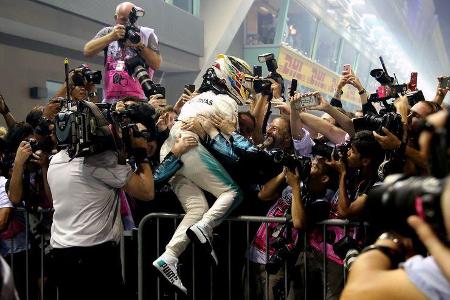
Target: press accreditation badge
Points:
(120, 65)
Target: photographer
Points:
(82, 85)
(375, 273)
(119, 43)
(28, 188)
(363, 157)
(308, 201)
(86, 225)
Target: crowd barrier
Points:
(157, 218)
(154, 231)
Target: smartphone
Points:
(347, 69)
(293, 87)
(160, 90)
(412, 86)
(444, 83)
(306, 102)
(190, 87)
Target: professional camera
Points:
(132, 32)
(391, 121)
(285, 249)
(329, 152)
(389, 205)
(391, 89)
(83, 131)
(137, 68)
(263, 85)
(126, 120)
(45, 145)
(84, 74)
(291, 161)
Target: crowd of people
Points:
(254, 151)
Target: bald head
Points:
(122, 12)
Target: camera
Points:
(137, 68)
(285, 248)
(389, 205)
(84, 74)
(132, 32)
(391, 121)
(329, 152)
(291, 161)
(389, 89)
(264, 85)
(83, 131)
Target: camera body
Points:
(263, 85)
(291, 161)
(389, 205)
(329, 152)
(83, 131)
(390, 120)
(83, 75)
(132, 32)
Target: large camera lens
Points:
(78, 79)
(141, 74)
(93, 77)
(133, 35)
(389, 205)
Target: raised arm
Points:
(333, 133)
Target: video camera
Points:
(137, 68)
(389, 88)
(83, 75)
(132, 32)
(263, 85)
(83, 128)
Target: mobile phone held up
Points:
(305, 102)
(444, 83)
(190, 87)
(347, 69)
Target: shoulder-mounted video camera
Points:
(389, 88)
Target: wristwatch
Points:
(395, 256)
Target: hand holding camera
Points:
(23, 153)
(118, 32)
(40, 158)
(157, 101)
(292, 178)
(338, 164)
(137, 140)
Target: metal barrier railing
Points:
(28, 289)
(157, 217)
(141, 268)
